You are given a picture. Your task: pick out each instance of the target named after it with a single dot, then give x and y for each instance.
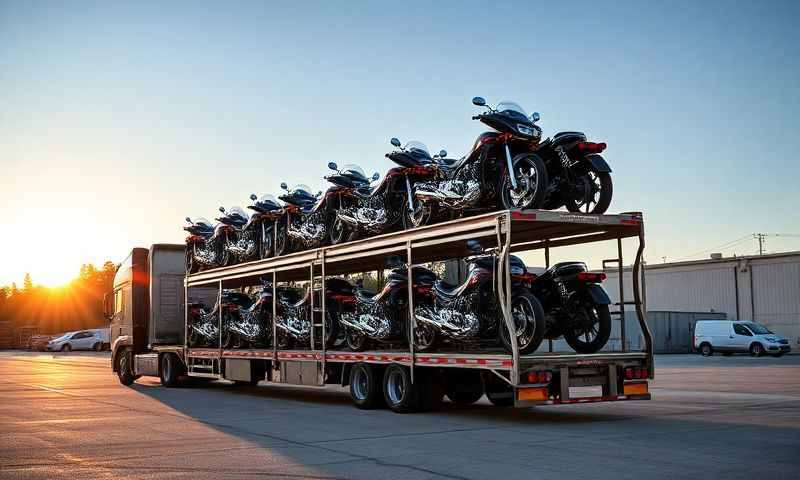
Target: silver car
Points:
(80, 340)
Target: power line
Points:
(718, 247)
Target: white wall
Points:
(725, 286)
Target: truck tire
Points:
(170, 370)
(124, 372)
(365, 386)
(400, 394)
(499, 392)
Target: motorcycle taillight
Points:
(591, 277)
(591, 147)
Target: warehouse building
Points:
(764, 288)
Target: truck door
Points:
(741, 337)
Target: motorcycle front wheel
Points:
(423, 215)
(265, 246)
(591, 331)
(281, 242)
(531, 175)
(340, 232)
(597, 190)
(528, 317)
(425, 337)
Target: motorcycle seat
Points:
(366, 296)
(447, 290)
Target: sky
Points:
(119, 119)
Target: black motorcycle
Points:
(250, 324)
(307, 218)
(383, 317)
(203, 325)
(575, 304)
(255, 239)
(471, 312)
(580, 178)
(205, 245)
(371, 210)
(500, 171)
(293, 323)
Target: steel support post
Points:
(621, 270)
(311, 302)
(546, 266)
(640, 313)
(219, 331)
(322, 295)
(274, 319)
(412, 320)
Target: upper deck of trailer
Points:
(528, 230)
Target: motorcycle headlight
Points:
(525, 130)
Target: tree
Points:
(27, 283)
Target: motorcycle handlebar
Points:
(476, 117)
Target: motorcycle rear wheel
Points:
(532, 180)
(600, 198)
(525, 307)
(340, 232)
(425, 338)
(595, 338)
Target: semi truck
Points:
(149, 320)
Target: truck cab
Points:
(146, 308)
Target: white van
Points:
(732, 336)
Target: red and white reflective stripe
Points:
(517, 215)
(618, 398)
(299, 356)
(247, 353)
(363, 357)
(203, 353)
(482, 362)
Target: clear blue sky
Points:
(119, 119)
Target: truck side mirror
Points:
(107, 309)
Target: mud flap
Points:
(598, 163)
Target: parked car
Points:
(736, 336)
(80, 340)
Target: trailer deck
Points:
(507, 231)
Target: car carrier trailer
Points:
(150, 320)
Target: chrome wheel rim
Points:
(360, 385)
(396, 387)
(524, 318)
(591, 192)
(424, 335)
(527, 176)
(167, 368)
(588, 335)
(337, 230)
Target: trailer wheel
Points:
(400, 394)
(365, 386)
(499, 392)
(170, 370)
(124, 372)
(463, 388)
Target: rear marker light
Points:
(540, 377)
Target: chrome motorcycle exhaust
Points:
(370, 325)
(469, 327)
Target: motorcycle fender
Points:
(598, 163)
(597, 294)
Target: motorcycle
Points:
(250, 323)
(471, 311)
(371, 210)
(255, 239)
(500, 170)
(580, 178)
(575, 305)
(383, 317)
(306, 218)
(205, 245)
(294, 320)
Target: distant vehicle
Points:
(733, 336)
(38, 343)
(80, 340)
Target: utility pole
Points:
(760, 237)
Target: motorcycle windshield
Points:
(269, 202)
(234, 212)
(418, 147)
(201, 222)
(354, 172)
(511, 107)
(301, 190)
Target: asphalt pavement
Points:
(66, 416)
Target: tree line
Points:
(75, 306)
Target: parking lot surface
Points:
(66, 416)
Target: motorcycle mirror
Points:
(479, 101)
(474, 246)
(333, 166)
(442, 153)
(188, 220)
(395, 142)
(319, 193)
(375, 176)
(535, 116)
(222, 209)
(283, 185)
(253, 197)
